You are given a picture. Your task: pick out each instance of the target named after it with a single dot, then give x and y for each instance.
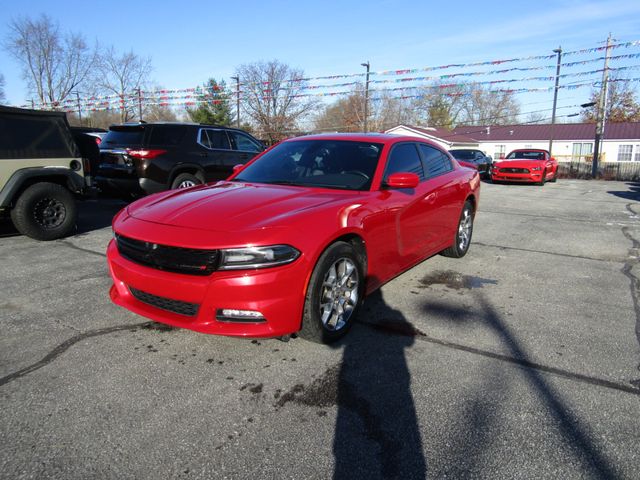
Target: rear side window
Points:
(215, 139)
(244, 143)
(166, 135)
(436, 161)
(404, 158)
(123, 136)
(31, 136)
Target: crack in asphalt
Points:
(634, 282)
(64, 346)
(410, 330)
(67, 243)
(566, 255)
(550, 217)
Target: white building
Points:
(571, 141)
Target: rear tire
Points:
(185, 180)
(464, 232)
(334, 295)
(45, 211)
(555, 178)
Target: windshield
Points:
(340, 164)
(465, 155)
(525, 155)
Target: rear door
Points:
(220, 157)
(446, 187)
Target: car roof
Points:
(362, 137)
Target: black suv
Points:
(141, 158)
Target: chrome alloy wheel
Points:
(339, 295)
(186, 184)
(464, 230)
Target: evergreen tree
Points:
(215, 108)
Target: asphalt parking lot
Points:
(518, 361)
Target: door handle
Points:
(431, 197)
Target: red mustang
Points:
(526, 165)
(293, 240)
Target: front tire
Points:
(464, 232)
(45, 211)
(185, 180)
(334, 294)
(543, 179)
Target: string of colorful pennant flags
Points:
(416, 86)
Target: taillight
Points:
(98, 140)
(145, 154)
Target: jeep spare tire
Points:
(45, 211)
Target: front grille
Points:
(175, 306)
(514, 170)
(189, 261)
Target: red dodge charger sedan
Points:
(293, 240)
(526, 165)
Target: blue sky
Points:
(191, 40)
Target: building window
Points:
(582, 151)
(499, 151)
(624, 153)
(636, 157)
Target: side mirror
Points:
(402, 180)
(237, 167)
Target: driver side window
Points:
(404, 158)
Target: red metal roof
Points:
(561, 131)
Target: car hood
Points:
(228, 206)
(518, 163)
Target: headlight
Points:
(536, 169)
(257, 257)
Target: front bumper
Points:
(278, 293)
(531, 177)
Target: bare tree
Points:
(53, 63)
(344, 115)
(123, 75)
(482, 106)
(3, 98)
(271, 97)
(622, 104)
(440, 105)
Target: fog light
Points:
(234, 315)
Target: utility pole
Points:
(601, 113)
(139, 104)
(237, 79)
(79, 109)
(366, 99)
(555, 98)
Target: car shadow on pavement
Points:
(377, 434)
(575, 434)
(632, 194)
(94, 214)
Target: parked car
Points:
(88, 140)
(526, 165)
(143, 158)
(473, 158)
(41, 171)
(293, 240)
